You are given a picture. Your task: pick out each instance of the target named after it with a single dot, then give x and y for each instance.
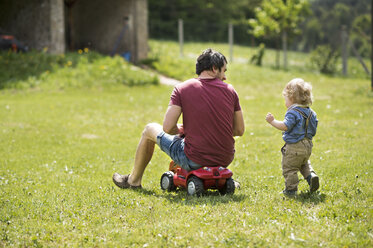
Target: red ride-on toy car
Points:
(198, 181)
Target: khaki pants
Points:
(295, 157)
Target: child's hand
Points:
(280, 125)
(270, 118)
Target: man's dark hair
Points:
(208, 60)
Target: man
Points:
(212, 116)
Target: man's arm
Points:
(238, 124)
(170, 119)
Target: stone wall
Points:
(57, 26)
(114, 26)
(109, 26)
(97, 24)
(36, 23)
(141, 29)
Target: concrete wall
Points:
(57, 26)
(114, 26)
(141, 29)
(36, 23)
(96, 24)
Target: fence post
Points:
(284, 37)
(344, 37)
(230, 39)
(181, 37)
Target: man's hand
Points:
(270, 118)
(181, 130)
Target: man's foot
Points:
(313, 181)
(122, 181)
(290, 193)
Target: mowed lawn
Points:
(60, 147)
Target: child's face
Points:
(288, 102)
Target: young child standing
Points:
(299, 127)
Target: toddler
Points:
(299, 127)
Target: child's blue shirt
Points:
(295, 124)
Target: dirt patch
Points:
(168, 81)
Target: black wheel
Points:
(195, 186)
(167, 181)
(228, 187)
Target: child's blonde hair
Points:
(299, 92)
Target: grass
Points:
(59, 147)
(168, 52)
(84, 69)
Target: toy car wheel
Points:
(195, 186)
(167, 181)
(228, 187)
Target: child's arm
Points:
(275, 123)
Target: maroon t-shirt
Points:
(208, 107)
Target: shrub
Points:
(77, 70)
(258, 57)
(325, 59)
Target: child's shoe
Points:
(313, 181)
(290, 193)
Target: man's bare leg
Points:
(144, 152)
(143, 156)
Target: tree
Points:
(279, 19)
(360, 34)
(324, 26)
(324, 29)
(203, 20)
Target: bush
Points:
(325, 59)
(81, 69)
(258, 57)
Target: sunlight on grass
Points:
(59, 149)
(74, 70)
(169, 62)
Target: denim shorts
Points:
(173, 146)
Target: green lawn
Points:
(59, 147)
(168, 52)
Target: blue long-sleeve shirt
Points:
(295, 124)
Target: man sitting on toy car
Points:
(212, 116)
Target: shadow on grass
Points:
(307, 197)
(211, 197)
(21, 66)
